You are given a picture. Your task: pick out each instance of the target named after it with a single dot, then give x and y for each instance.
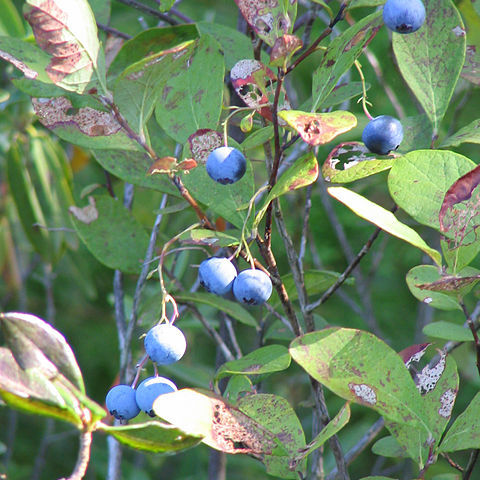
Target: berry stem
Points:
(139, 367)
(225, 122)
(364, 90)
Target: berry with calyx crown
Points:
(165, 344)
(404, 16)
(216, 275)
(252, 287)
(226, 165)
(150, 389)
(382, 134)
(121, 402)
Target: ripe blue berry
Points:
(217, 275)
(383, 134)
(252, 287)
(404, 16)
(165, 344)
(151, 388)
(121, 402)
(226, 165)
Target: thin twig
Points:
(232, 335)
(306, 218)
(83, 456)
(113, 31)
(149, 10)
(471, 465)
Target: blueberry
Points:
(217, 275)
(151, 388)
(252, 287)
(226, 165)
(165, 344)
(383, 134)
(404, 16)
(121, 402)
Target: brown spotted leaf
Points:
(359, 367)
(413, 354)
(283, 49)
(459, 214)
(254, 84)
(449, 283)
(202, 142)
(66, 30)
(223, 426)
(319, 128)
(269, 18)
(351, 161)
(162, 165)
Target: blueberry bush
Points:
(239, 239)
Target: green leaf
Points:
(302, 173)
(331, 429)
(344, 92)
(383, 219)
(425, 274)
(236, 386)
(388, 447)
(79, 64)
(191, 100)
(223, 426)
(138, 88)
(319, 128)
(258, 138)
(11, 24)
(347, 362)
(468, 134)
(419, 180)
(233, 309)
(351, 161)
(33, 341)
(202, 236)
(228, 201)
(431, 59)
(276, 415)
(152, 436)
(111, 233)
(235, 45)
(464, 433)
(417, 134)
(470, 11)
(340, 56)
(269, 359)
(148, 43)
(448, 331)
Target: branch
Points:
(83, 456)
(149, 10)
(113, 31)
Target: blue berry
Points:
(165, 344)
(151, 388)
(404, 16)
(217, 275)
(121, 402)
(226, 165)
(383, 134)
(252, 287)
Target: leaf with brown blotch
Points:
(254, 84)
(414, 353)
(162, 165)
(449, 283)
(66, 30)
(283, 49)
(459, 213)
(223, 426)
(319, 128)
(202, 142)
(269, 19)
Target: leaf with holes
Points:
(152, 436)
(347, 362)
(253, 82)
(276, 415)
(465, 431)
(222, 426)
(431, 59)
(190, 100)
(301, 174)
(418, 182)
(113, 236)
(351, 161)
(268, 359)
(203, 142)
(283, 49)
(383, 219)
(340, 56)
(319, 128)
(269, 19)
(66, 30)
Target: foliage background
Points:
(77, 294)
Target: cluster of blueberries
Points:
(165, 344)
(218, 275)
